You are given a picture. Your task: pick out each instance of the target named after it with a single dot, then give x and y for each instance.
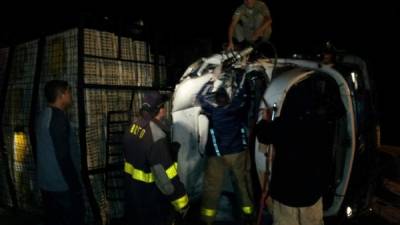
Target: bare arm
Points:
(265, 25)
(232, 26)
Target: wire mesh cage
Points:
(15, 124)
(115, 77)
(162, 70)
(100, 43)
(5, 198)
(60, 62)
(134, 50)
(108, 111)
(114, 72)
(98, 103)
(103, 144)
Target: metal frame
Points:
(82, 129)
(3, 152)
(35, 94)
(81, 87)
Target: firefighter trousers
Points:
(239, 166)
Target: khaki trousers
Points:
(286, 215)
(239, 165)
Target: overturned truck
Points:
(268, 82)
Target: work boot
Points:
(202, 222)
(248, 219)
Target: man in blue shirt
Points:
(226, 149)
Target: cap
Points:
(154, 99)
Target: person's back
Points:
(298, 169)
(143, 199)
(302, 139)
(226, 122)
(49, 172)
(153, 187)
(228, 127)
(226, 150)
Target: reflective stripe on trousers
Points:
(208, 212)
(248, 210)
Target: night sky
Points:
(185, 30)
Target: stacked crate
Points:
(60, 62)
(134, 50)
(98, 104)
(143, 66)
(114, 71)
(102, 66)
(100, 43)
(162, 69)
(15, 123)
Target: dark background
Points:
(187, 30)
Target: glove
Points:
(267, 114)
(180, 215)
(182, 212)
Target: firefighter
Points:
(226, 149)
(154, 193)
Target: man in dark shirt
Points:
(58, 158)
(301, 136)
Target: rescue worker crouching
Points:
(226, 150)
(153, 188)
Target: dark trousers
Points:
(145, 207)
(156, 215)
(63, 208)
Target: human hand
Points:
(183, 212)
(267, 201)
(266, 114)
(230, 46)
(256, 34)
